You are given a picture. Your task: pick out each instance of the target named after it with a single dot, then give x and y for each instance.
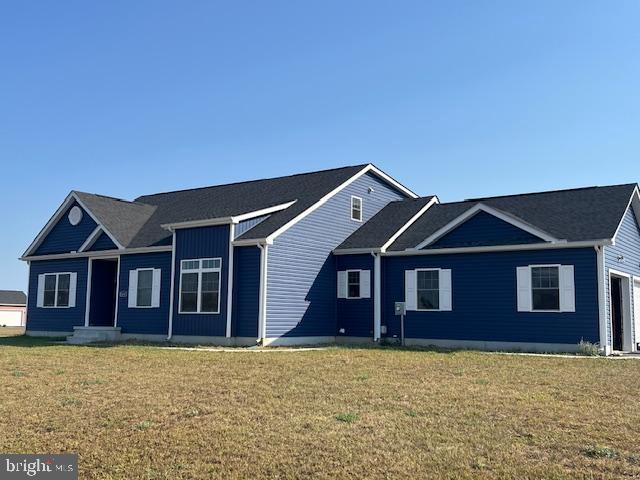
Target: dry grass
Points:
(143, 412)
(11, 331)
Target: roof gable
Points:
(13, 297)
(63, 237)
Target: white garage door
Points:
(11, 318)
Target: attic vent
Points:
(75, 216)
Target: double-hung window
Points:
(353, 283)
(428, 289)
(546, 288)
(200, 285)
(356, 209)
(57, 290)
(144, 288)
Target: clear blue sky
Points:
(457, 98)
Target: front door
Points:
(103, 292)
(616, 312)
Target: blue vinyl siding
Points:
(247, 225)
(355, 316)
(193, 243)
(103, 242)
(57, 319)
(145, 320)
(301, 278)
(64, 237)
(246, 292)
(484, 295)
(627, 246)
(484, 229)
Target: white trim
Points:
(50, 224)
(361, 210)
(418, 309)
(411, 221)
(347, 297)
(172, 283)
(496, 248)
(328, 196)
(199, 271)
(103, 253)
(230, 280)
(377, 304)
(635, 195)
(91, 239)
(543, 265)
(619, 273)
(602, 305)
(480, 207)
(262, 307)
(208, 222)
(626, 314)
(250, 242)
(88, 293)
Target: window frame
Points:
(359, 272)
(361, 209)
(55, 291)
(418, 309)
(534, 310)
(148, 269)
(200, 270)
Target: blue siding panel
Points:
(355, 316)
(627, 246)
(57, 319)
(301, 277)
(485, 298)
(153, 321)
(247, 225)
(193, 243)
(103, 242)
(64, 237)
(484, 229)
(246, 292)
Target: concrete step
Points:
(83, 335)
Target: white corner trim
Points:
(70, 198)
(410, 222)
(328, 196)
(496, 248)
(264, 211)
(262, 306)
(91, 239)
(230, 280)
(491, 211)
(377, 300)
(172, 286)
(636, 210)
(602, 304)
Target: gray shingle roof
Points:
(139, 223)
(591, 213)
(12, 297)
(383, 225)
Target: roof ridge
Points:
(480, 199)
(363, 165)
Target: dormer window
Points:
(356, 209)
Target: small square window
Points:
(356, 209)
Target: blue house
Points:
(326, 256)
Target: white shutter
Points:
(365, 283)
(445, 290)
(342, 284)
(523, 275)
(155, 292)
(133, 288)
(40, 290)
(73, 283)
(567, 289)
(410, 292)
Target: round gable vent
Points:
(75, 215)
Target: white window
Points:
(200, 285)
(356, 209)
(144, 288)
(428, 289)
(354, 284)
(57, 290)
(546, 288)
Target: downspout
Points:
(171, 293)
(377, 299)
(262, 307)
(602, 304)
(230, 279)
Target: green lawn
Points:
(145, 412)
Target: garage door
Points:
(11, 318)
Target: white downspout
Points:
(262, 308)
(377, 299)
(171, 294)
(230, 280)
(602, 304)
